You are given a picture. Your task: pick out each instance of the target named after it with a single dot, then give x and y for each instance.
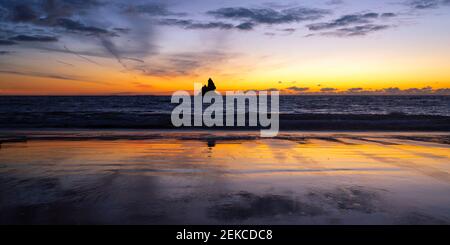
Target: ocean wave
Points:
(296, 112)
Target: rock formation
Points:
(209, 87)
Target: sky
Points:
(97, 47)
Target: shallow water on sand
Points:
(214, 178)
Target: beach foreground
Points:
(158, 177)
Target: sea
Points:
(154, 111)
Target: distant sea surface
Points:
(296, 112)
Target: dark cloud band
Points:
(347, 20)
(190, 24)
(38, 38)
(269, 15)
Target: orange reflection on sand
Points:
(206, 178)
(312, 156)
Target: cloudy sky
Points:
(157, 47)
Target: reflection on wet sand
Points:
(223, 178)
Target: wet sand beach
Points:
(199, 177)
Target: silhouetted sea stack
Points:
(209, 87)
